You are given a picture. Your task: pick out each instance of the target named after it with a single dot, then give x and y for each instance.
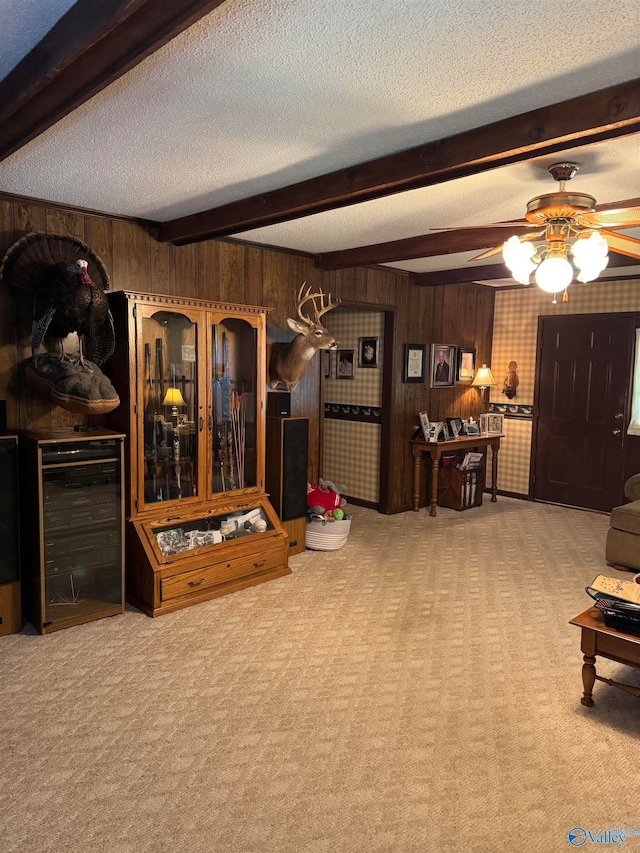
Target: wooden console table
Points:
(436, 450)
(598, 639)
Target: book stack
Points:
(470, 461)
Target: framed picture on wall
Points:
(346, 364)
(443, 365)
(368, 352)
(466, 364)
(414, 358)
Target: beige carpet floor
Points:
(416, 691)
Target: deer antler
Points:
(324, 308)
(288, 362)
(308, 296)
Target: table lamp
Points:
(484, 379)
(174, 398)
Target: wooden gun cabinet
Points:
(191, 379)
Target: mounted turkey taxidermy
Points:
(67, 282)
(288, 362)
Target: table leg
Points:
(435, 467)
(494, 472)
(588, 679)
(417, 457)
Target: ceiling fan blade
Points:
(519, 222)
(623, 217)
(622, 244)
(524, 238)
(487, 254)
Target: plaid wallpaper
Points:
(352, 457)
(351, 450)
(515, 333)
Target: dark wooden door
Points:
(584, 373)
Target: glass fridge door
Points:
(169, 407)
(233, 405)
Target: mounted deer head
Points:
(289, 361)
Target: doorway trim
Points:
(388, 403)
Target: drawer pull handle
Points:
(196, 583)
(257, 565)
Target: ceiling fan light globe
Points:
(522, 272)
(554, 275)
(513, 251)
(593, 248)
(591, 269)
(518, 259)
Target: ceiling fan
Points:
(566, 224)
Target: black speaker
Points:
(279, 404)
(287, 463)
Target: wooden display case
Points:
(191, 378)
(72, 514)
(10, 597)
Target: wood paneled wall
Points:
(461, 315)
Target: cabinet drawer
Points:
(192, 582)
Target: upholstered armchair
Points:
(623, 539)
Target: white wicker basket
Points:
(323, 535)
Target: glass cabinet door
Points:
(233, 405)
(168, 398)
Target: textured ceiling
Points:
(259, 95)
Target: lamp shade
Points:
(484, 378)
(173, 397)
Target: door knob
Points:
(616, 431)
(618, 415)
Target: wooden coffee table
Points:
(598, 639)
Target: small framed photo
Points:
(491, 423)
(426, 426)
(439, 431)
(472, 428)
(368, 352)
(455, 426)
(326, 363)
(466, 364)
(414, 359)
(443, 365)
(346, 364)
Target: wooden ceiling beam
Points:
(489, 272)
(605, 114)
(92, 45)
(435, 243)
(424, 246)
